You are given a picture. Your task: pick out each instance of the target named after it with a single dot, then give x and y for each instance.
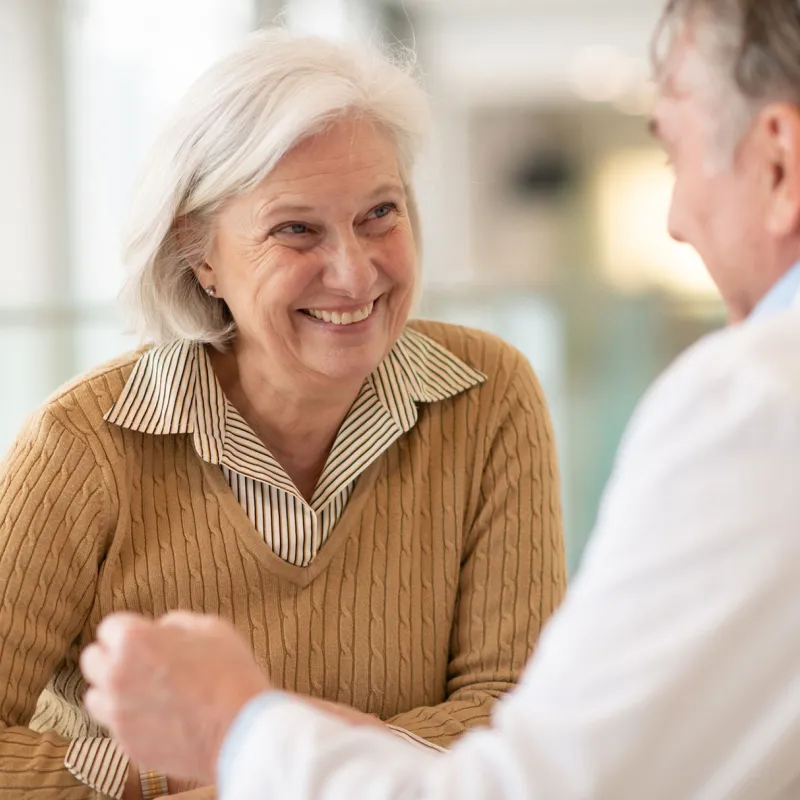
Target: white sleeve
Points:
(673, 668)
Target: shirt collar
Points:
(162, 394)
(159, 395)
(781, 296)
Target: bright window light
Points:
(326, 18)
(128, 63)
(633, 194)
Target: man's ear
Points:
(777, 137)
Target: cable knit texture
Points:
(422, 607)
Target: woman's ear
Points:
(191, 241)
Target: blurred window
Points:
(86, 84)
(128, 63)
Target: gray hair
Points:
(230, 131)
(751, 48)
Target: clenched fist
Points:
(169, 690)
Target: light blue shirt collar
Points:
(781, 296)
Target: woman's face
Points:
(317, 264)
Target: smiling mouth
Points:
(343, 318)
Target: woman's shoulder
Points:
(483, 351)
(509, 375)
(82, 402)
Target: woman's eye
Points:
(296, 228)
(383, 210)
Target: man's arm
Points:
(673, 669)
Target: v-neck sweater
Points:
(422, 607)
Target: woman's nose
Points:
(350, 269)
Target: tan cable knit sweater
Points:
(422, 607)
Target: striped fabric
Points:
(173, 390)
(99, 763)
(414, 739)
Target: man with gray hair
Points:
(727, 115)
(673, 668)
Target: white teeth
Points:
(343, 318)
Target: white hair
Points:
(230, 131)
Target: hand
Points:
(169, 690)
(348, 714)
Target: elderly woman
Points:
(373, 503)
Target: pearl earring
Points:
(211, 291)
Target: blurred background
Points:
(543, 200)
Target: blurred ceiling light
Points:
(600, 74)
(633, 192)
(603, 74)
(639, 98)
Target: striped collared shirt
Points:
(173, 390)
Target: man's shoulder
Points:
(771, 347)
(763, 356)
(744, 378)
